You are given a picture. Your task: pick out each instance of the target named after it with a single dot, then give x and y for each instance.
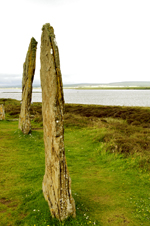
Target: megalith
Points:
(56, 183)
(2, 112)
(27, 79)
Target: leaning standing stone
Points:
(56, 182)
(2, 112)
(28, 75)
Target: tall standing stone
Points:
(56, 183)
(28, 75)
(2, 112)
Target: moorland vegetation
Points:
(108, 156)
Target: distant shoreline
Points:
(108, 88)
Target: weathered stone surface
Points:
(28, 75)
(2, 112)
(56, 183)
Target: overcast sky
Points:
(99, 41)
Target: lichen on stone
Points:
(2, 112)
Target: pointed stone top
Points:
(33, 43)
(33, 40)
(33, 47)
(49, 29)
(29, 68)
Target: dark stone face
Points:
(28, 75)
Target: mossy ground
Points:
(107, 150)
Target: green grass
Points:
(107, 160)
(115, 188)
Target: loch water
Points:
(98, 97)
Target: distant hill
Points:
(134, 83)
(124, 84)
(113, 84)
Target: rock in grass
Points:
(28, 75)
(56, 183)
(2, 112)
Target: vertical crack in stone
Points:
(56, 183)
(27, 80)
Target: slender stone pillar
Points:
(28, 75)
(56, 183)
(2, 112)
